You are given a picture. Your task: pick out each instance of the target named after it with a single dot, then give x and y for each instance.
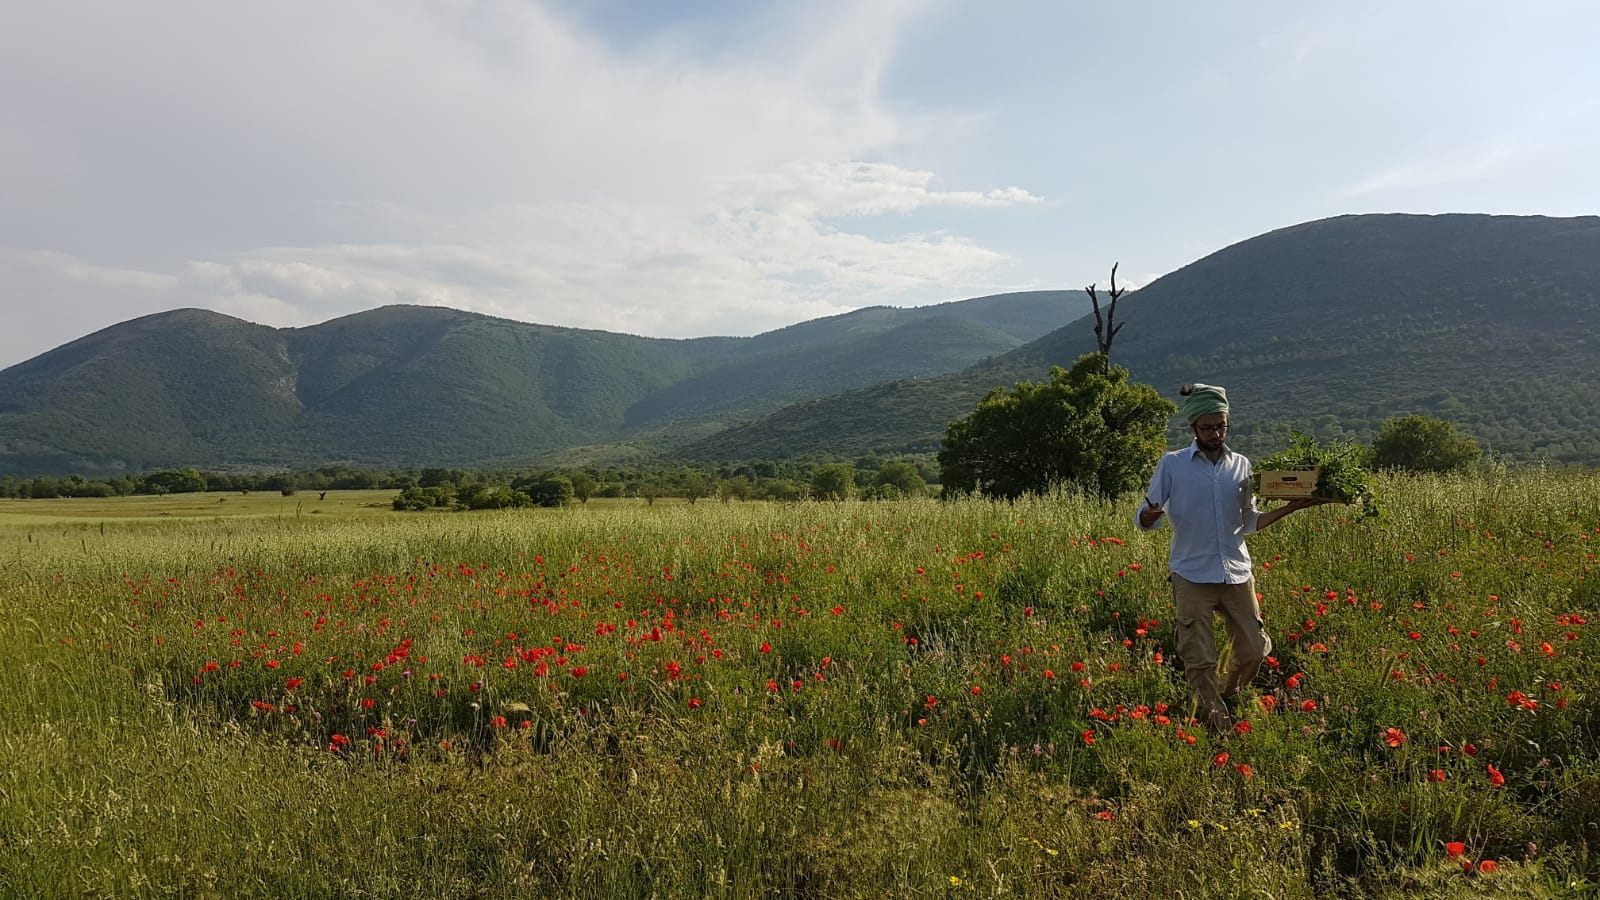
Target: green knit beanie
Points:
(1202, 400)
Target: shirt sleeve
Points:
(1157, 492)
(1249, 516)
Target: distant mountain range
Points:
(1330, 326)
(1492, 322)
(407, 385)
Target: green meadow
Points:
(226, 695)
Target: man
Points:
(1206, 490)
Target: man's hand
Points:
(1151, 513)
(1304, 502)
(1270, 516)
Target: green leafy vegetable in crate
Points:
(1343, 478)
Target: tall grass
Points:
(836, 700)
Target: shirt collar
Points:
(1193, 450)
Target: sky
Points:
(679, 169)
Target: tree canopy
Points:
(1089, 428)
(1420, 443)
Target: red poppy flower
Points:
(1495, 778)
(1454, 849)
(1394, 737)
(1488, 867)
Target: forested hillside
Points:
(409, 385)
(1331, 326)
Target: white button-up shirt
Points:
(1212, 507)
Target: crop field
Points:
(910, 699)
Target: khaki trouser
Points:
(1248, 643)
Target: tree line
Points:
(866, 477)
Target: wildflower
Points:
(1394, 737)
(1495, 777)
(696, 703)
(1246, 770)
(1308, 705)
(1436, 775)
(1454, 849)
(1488, 867)
(1088, 737)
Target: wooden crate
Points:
(1288, 484)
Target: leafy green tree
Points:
(692, 485)
(437, 477)
(780, 489)
(902, 476)
(497, 496)
(1090, 428)
(877, 491)
(546, 490)
(1423, 444)
(649, 489)
(835, 481)
(412, 498)
(583, 486)
(172, 481)
(285, 483)
(739, 487)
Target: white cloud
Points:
(296, 161)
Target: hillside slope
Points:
(424, 385)
(1330, 326)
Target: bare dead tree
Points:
(1105, 330)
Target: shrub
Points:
(1423, 444)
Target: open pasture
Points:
(829, 700)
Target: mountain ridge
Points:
(401, 384)
(1516, 297)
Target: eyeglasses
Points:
(1212, 429)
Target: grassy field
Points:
(823, 700)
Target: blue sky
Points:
(681, 169)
